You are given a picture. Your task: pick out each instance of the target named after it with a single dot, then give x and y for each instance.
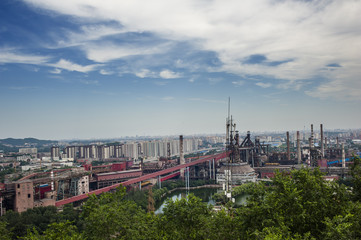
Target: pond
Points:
(203, 193)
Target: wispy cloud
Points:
(192, 80)
(263, 85)
(168, 74)
(105, 51)
(70, 66)
(238, 83)
(205, 100)
(55, 71)
(167, 99)
(143, 73)
(285, 40)
(10, 56)
(105, 72)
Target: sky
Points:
(106, 69)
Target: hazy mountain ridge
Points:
(26, 142)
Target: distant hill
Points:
(26, 142)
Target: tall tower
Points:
(299, 157)
(322, 145)
(288, 146)
(181, 156)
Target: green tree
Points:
(56, 231)
(356, 177)
(110, 216)
(186, 218)
(297, 203)
(5, 234)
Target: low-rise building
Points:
(236, 173)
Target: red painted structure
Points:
(172, 175)
(42, 191)
(118, 175)
(267, 174)
(216, 157)
(113, 167)
(119, 166)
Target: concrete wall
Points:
(24, 196)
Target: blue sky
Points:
(104, 69)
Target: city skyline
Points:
(93, 69)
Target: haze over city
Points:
(105, 69)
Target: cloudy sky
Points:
(99, 69)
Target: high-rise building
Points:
(54, 153)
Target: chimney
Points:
(181, 156)
(322, 146)
(311, 141)
(237, 138)
(337, 143)
(298, 148)
(343, 155)
(52, 180)
(288, 146)
(310, 145)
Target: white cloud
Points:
(143, 73)
(105, 52)
(55, 71)
(263, 85)
(88, 33)
(70, 66)
(167, 99)
(238, 83)
(167, 74)
(105, 72)
(10, 56)
(310, 33)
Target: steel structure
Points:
(216, 157)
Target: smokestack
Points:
(228, 122)
(52, 180)
(298, 148)
(237, 138)
(181, 156)
(322, 146)
(337, 143)
(288, 146)
(311, 145)
(343, 156)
